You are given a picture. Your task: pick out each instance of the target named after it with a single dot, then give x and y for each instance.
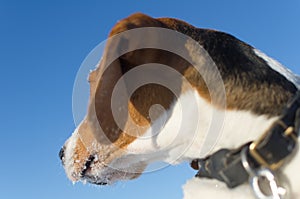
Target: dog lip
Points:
(87, 165)
(94, 180)
(100, 183)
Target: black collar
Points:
(231, 166)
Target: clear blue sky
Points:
(42, 44)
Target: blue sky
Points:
(42, 44)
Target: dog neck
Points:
(174, 146)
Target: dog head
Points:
(98, 149)
(103, 150)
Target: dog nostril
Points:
(62, 153)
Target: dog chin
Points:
(95, 172)
(107, 176)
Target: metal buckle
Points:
(289, 132)
(264, 183)
(271, 185)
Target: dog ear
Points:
(102, 82)
(112, 66)
(104, 79)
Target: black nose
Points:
(62, 153)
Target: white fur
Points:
(275, 65)
(204, 188)
(238, 127)
(69, 154)
(178, 141)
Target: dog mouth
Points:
(87, 165)
(95, 172)
(87, 169)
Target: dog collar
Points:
(258, 159)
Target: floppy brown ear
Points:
(105, 77)
(102, 82)
(111, 70)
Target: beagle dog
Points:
(184, 109)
